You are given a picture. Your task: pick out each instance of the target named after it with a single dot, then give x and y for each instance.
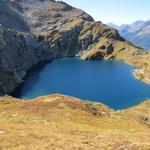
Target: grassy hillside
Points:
(60, 122)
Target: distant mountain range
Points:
(138, 32)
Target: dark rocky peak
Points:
(11, 16)
(45, 15)
(38, 15)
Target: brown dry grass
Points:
(58, 122)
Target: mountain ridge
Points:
(138, 32)
(57, 30)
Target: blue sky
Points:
(117, 11)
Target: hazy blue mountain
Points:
(111, 24)
(138, 32)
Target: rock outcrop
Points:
(11, 16)
(23, 42)
(18, 53)
(36, 30)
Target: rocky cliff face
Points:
(50, 15)
(23, 43)
(18, 52)
(11, 16)
(35, 30)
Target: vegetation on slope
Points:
(59, 30)
(60, 122)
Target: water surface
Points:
(109, 82)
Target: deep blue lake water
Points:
(109, 82)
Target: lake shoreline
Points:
(86, 64)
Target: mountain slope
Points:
(137, 32)
(37, 15)
(49, 29)
(11, 16)
(21, 48)
(60, 122)
(18, 52)
(57, 121)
